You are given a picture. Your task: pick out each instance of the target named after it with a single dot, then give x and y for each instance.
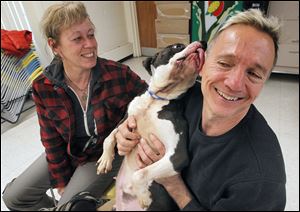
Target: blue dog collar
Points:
(154, 96)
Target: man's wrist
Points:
(179, 192)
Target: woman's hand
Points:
(126, 137)
(148, 154)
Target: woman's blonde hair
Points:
(62, 16)
(255, 18)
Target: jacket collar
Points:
(54, 72)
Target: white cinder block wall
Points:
(111, 19)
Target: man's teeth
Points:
(88, 55)
(229, 98)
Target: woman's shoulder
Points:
(40, 80)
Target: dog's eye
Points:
(178, 47)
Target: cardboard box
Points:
(172, 26)
(175, 11)
(164, 40)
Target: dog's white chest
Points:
(145, 110)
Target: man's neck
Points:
(213, 125)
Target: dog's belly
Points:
(125, 202)
(148, 123)
(158, 118)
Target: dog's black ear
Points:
(147, 64)
(152, 69)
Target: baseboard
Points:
(118, 53)
(149, 52)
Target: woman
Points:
(79, 99)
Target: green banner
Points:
(208, 17)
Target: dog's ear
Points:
(152, 70)
(147, 64)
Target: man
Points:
(235, 158)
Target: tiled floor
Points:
(279, 102)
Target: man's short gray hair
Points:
(255, 18)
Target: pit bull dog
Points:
(156, 112)
(162, 57)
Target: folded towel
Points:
(14, 42)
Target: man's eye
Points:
(91, 35)
(255, 75)
(224, 64)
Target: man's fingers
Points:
(144, 157)
(125, 146)
(125, 132)
(131, 122)
(158, 145)
(123, 150)
(152, 154)
(139, 161)
(126, 140)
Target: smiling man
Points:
(237, 65)
(235, 157)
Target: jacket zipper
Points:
(86, 127)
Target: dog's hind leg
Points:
(105, 161)
(143, 178)
(159, 169)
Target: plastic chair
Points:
(17, 75)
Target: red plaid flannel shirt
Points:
(115, 88)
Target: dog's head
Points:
(179, 73)
(162, 57)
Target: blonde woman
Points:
(79, 99)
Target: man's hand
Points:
(149, 154)
(177, 189)
(126, 137)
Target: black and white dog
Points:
(156, 113)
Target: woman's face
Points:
(78, 46)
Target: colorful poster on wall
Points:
(208, 16)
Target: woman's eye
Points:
(91, 36)
(77, 39)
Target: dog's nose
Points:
(203, 44)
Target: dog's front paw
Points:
(104, 163)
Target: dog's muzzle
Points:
(203, 46)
